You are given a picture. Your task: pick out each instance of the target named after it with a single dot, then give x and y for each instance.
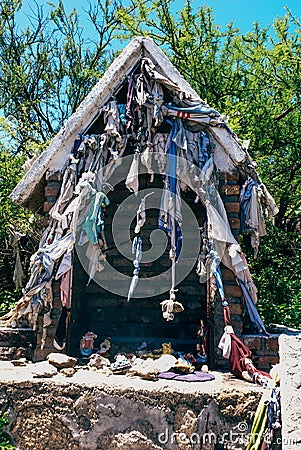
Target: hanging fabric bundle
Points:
(200, 113)
(170, 215)
(141, 214)
(251, 216)
(238, 354)
(132, 180)
(171, 306)
(171, 225)
(137, 251)
(137, 244)
(18, 270)
(252, 310)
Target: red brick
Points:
(230, 189)
(229, 176)
(233, 291)
(228, 275)
(45, 221)
(57, 302)
(51, 191)
(56, 287)
(47, 206)
(253, 343)
(235, 308)
(232, 207)
(237, 326)
(57, 176)
(219, 325)
(266, 362)
(272, 344)
(234, 223)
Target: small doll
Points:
(201, 335)
(86, 344)
(201, 344)
(105, 347)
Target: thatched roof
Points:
(29, 191)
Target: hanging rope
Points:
(171, 306)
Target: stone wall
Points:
(290, 378)
(128, 414)
(17, 343)
(52, 189)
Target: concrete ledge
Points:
(290, 378)
(92, 412)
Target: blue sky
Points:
(243, 13)
(246, 13)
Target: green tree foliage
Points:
(277, 274)
(10, 214)
(5, 440)
(46, 69)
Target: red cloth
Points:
(238, 355)
(239, 351)
(227, 317)
(251, 369)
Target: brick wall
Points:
(265, 351)
(17, 343)
(229, 188)
(52, 189)
(130, 323)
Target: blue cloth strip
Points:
(252, 310)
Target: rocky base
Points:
(290, 354)
(93, 412)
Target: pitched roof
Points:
(29, 192)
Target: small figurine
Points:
(201, 356)
(86, 344)
(201, 335)
(105, 347)
(167, 348)
(190, 358)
